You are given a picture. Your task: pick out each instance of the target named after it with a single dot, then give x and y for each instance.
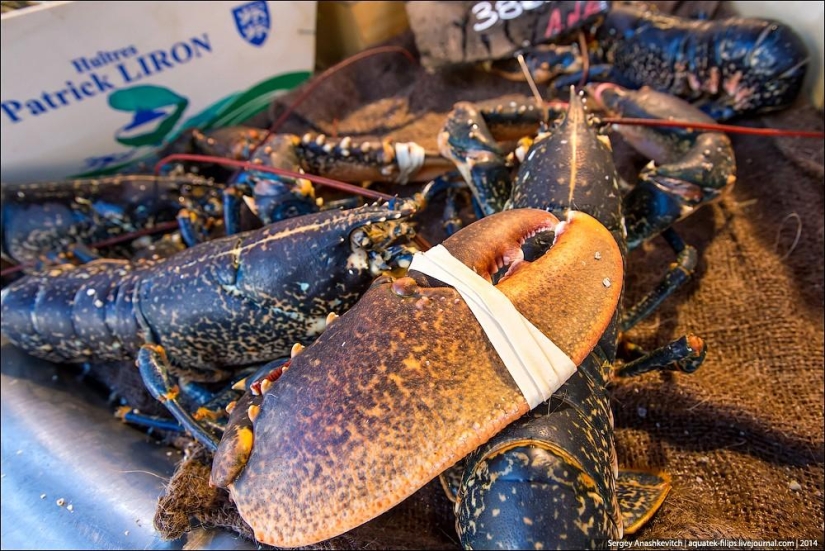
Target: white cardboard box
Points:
(90, 87)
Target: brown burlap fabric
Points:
(742, 437)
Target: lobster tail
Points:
(509, 495)
(554, 470)
(74, 313)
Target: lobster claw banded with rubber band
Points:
(406, 383)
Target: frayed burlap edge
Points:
(189, 501)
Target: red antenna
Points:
(315, 82)
(247, 165)
(332, 70)
(320, 180)
(732, 129)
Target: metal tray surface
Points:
(60, 441)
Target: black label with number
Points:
(461, 32)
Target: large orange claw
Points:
(406, 383)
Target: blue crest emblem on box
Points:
(252, 21)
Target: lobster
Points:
(551, 478)
(728, 67)
(406, 382)
(279, 197)
(687, 170)
(247, 295)
(333, 479)
(50, 218)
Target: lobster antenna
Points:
(157, 228)
(320, 180)
(332, 70)
(315, 82)
(732, 129)
(529, 76)
(250, 166)
(585, 59)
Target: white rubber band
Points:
(410, 158)
(537, 365)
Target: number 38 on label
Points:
(488, 13)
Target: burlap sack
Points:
(742, 437)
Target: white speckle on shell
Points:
(606, 282)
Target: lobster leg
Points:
(213, 406)
(128, 415)
(154, 370)
(208, 422)
(233, 205)
(452, 221)
(192, 229)
(446, 183)
(685, 354)
(677, 275)
(82, 253)
(439, 185)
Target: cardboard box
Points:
(346, 28)
(91, 87)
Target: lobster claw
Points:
(406, 382)
(688, 168)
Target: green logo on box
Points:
(155, 112)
